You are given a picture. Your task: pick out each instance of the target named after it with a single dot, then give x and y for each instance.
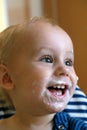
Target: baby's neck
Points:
(39, 123)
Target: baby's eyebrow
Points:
(45, 49)
(70, 52)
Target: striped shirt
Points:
(77, 107)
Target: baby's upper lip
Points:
(60, 84)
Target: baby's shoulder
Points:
(4, 124)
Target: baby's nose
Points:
(61, 71)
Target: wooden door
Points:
(73, 18)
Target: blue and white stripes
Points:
(77, 107)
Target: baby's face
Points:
(43, 72)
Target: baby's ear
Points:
(5, 78)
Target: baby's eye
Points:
(69, 62)
(47, 59)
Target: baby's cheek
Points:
(74, 78)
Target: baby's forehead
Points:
(34, 28)
(36, 23)
(37, 30)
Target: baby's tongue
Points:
(56, 92)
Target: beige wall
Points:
(17, 11)
(3, 15)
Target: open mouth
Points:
(58, 90)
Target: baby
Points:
(37, 74)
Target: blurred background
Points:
(71, 15)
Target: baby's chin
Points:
(56, 107)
